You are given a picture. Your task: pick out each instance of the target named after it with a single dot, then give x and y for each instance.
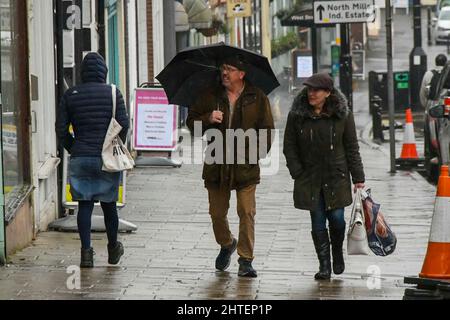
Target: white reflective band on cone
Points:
(409, 134)
(440, 228)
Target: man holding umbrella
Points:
(234, 104)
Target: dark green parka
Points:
(252, 111)
(322, 151)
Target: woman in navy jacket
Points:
(87, 108)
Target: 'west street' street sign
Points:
(348, 11)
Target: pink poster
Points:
(155, 121)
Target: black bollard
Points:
(377, 125)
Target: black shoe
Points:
(322, 246)
(223, 260)
(115, 254)
(337, 239)
(246, 269)
(87, 258)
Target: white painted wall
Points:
(158, 37)
(43, 136)
(142, 40)
(132, 47)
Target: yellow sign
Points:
(239, 8)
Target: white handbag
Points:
(115, 156)
(357, 236)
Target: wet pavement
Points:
(172, 254)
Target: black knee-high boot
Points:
(337, 236)
(322, 245)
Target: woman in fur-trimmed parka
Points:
(321, 150)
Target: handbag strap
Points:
(360, 202)
(357, 202)
(114, 99)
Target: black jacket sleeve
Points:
(65, 138)
(352, 151)
(291, 147)
(122, 116)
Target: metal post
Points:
(429, 25)
(390, 83)
(314, 49)
(170, 41)
(417, 59)
(345, 72)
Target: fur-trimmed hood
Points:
(336, 105)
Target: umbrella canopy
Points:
(195, 69)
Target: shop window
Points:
(13, 89)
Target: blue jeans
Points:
(319, 217)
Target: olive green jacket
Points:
(321, 152)
(252, 111)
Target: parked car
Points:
(437, 129)
(441, 4)
(441, 29)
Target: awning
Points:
(199, 13)
(181, 18)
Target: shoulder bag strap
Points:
(114, 99)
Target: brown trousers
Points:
(219, 203)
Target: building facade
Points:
(42, 45)
(40, 56)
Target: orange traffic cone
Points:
(437, 259)
(409, 150)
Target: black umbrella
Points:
(195, 69)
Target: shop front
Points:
(17, 216)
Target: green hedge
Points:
(284, 44)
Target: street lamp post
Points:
(417, 58)
(390, 84)
(345, 73)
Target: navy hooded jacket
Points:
(88, 108)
